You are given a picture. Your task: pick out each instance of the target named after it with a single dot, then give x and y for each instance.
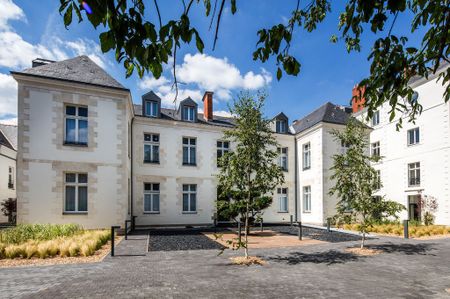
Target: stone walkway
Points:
(406, 269)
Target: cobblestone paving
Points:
(315, 233)
(176, 239)
(406, 269)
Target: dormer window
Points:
(281, 126)
(151, 108)
(188, 113)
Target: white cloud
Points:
(218, 75)
(9, 11)
(9, 121)
(167, 98)
(8, 96)
(152, 83)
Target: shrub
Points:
(31, 250)
(39, 232)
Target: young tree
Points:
(249, 173)
(144, 41)
(9, 209)
(356, 180)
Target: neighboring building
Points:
(8, 154)
(416, 158)
(87, 155)
(315, 149)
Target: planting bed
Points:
(180, 239)
(316, 233)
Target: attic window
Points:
(188, 113)
(281, 126)
(151, 108)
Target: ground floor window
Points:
(282, 200)
(307, 199)
(76, 194)
(189, 198)
(151, 197)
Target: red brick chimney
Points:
(208, 105)
(358, 99)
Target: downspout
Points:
(131, 176)
(296, 180)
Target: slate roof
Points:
(327, 113)
(171, 114)
(8, 136)
(79, 69)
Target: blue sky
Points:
(30, 29)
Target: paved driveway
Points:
(407, 269)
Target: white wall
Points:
(7, 160)
(433, 152)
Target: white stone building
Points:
(87, 155)
(8, 153)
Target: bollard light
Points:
(113, 228)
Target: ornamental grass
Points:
(83, 243)
(415, 231)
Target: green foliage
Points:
(39, 232)
(144, 45)
(9, 209)
(249, 173)
(356, 180)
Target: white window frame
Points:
(281, 126)
(11, 177)
(415, 134)
(152, 112)
(375, 149)
(190, 192)
(154, 195)
(376, 118)
(77, 185)
(306, 196)
(190, 115)
(189, 145)
(306, 154)
(283, 158)
(283, 200)
(223, 147)
(152, 144)
(77, 119)
(414, 168)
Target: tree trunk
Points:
(246, 231)
(363, 239)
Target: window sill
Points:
(151, 162)
(413, 144)
(308, 168)
(189, 164)
(283, 212)
(152, 213)
(285, 170)
(75, 213)
(77, 144)
(306, 212)
(186, 212)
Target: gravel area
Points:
(180, 239)
(316, 233)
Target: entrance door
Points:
(413, 207)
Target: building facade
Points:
(88, 155)
(8, 154)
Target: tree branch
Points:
(393, 23)
(213, 15)
(159, 15)
(218, 23)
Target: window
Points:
(151, 198)
(76, 131)
(189, 151)
(76, 199)
(413, 136)
(283, 158)
(282, 200)
(414, 174)
(188, 113)
(189, 198)
(376, 118)
(307, 199)
(223, 147)
(306, 156)
(281, 126)
(11, 177)
(151, 108)
(378, 180)
(151, 148)
(375, 149)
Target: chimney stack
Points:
(208, 105)
(358, 99)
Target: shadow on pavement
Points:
(405, 248)
(326, 257)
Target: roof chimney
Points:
(208, 105)
(358, 99)
(40, 61)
